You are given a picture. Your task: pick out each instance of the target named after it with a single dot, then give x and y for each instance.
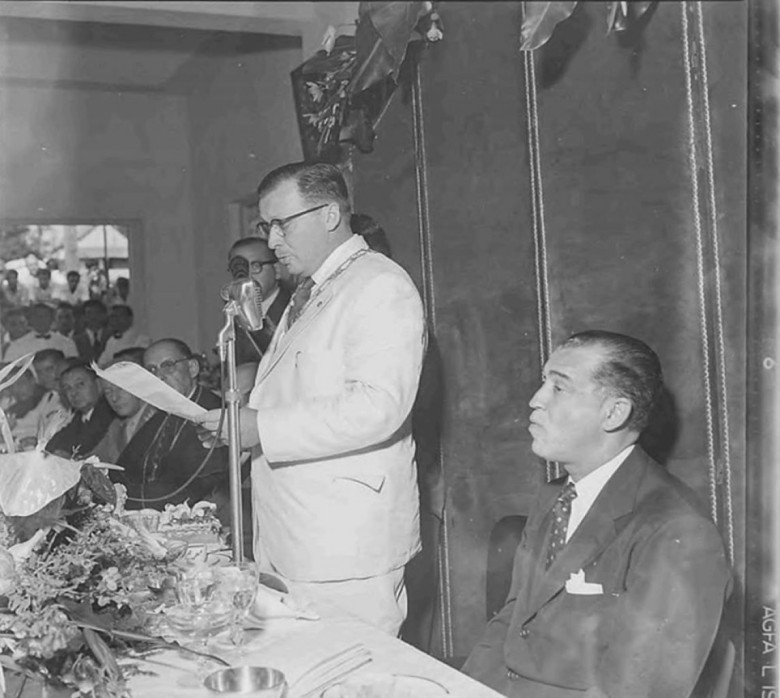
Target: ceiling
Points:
(123, 57)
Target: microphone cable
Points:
(198, 470)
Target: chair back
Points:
(504, 539)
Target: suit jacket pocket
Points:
(319, 372)
(374, 483)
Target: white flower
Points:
(434, 33)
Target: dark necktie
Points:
(299, 300)
(561, 511)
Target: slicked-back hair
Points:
(241, 243)
(78, 365)
(46, 354)
(630, 369)
(318, 183)
(180, 346)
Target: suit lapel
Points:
(284, 339)
(597, 530)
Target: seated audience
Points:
(49, 365)
(131, 414)
(164, 461)
(122, 334)
(41, 336)
(24, 413)
(619, 580)
(251, 256)
(92, 414)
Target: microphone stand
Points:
(227, 351)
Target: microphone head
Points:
(238, 267)
(248, 297)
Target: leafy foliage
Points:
(541, 18)
(86, 571)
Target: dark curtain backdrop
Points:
(620, 234)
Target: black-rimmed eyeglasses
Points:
(279, 223)
(165, 367)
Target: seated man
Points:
(619, 580)
(122, 334)
(131, 414)
(164, 461)
(49, 365)
(24, 413)
(92, 413)
(251, 257)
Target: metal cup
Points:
(257, 680)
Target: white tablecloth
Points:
(293, 646)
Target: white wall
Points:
(91, 155)
(242, 124)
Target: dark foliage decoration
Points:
(342, 91)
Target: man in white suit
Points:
(334, 487)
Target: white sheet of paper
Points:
(137, 380)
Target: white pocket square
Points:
(577, 585)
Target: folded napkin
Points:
(274, 600)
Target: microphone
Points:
(247, 294)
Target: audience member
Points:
(41, 336)
(91, 341)
(43, 291)
(132, 354)
(49, 365)
(24, 413)
(120, 292)
(65, 321)
(15, 326)
(92, 414)
(14, 295)
(164, 461)
(74, 293)
(131, 414)
(252, 257)
(619, 580)
(122, 334)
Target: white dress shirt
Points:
(589, 487)
(131, 338)
(31, 342)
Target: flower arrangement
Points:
(76, 583)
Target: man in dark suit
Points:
(164, 460)
(619, 580)
(91, 340)
(92, 414)
(251, 256)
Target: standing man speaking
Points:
(334, 490)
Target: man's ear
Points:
(194, 367)
(617, 412)
(333, 216)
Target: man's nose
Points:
(537, 399)
(274, 238)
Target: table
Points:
(293, 646)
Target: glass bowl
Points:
(202, 621)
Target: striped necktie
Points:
(299, 300)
